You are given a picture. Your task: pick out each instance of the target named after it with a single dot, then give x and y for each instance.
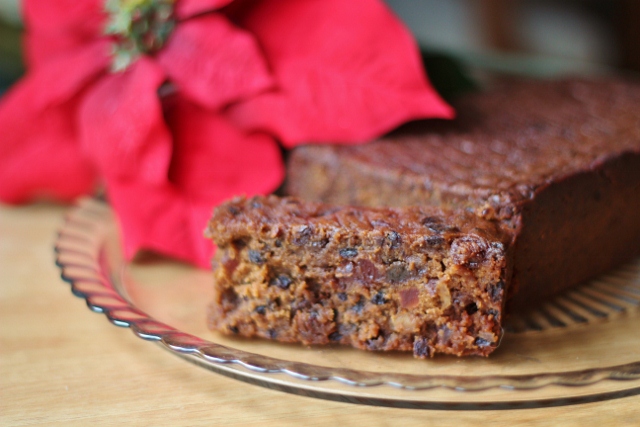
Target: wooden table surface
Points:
(60, 364)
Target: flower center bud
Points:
(139, 27)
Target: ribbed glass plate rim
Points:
(81, 258)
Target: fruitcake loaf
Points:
(416, 279)
(555, 163)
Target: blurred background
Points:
(532, 37)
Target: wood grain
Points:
(62, 365)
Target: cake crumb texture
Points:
(414, 279)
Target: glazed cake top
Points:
(511, 140)
(271, 215)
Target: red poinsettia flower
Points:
(177, 105)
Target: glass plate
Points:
(583, 346)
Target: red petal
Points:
(160, 218)
(39, 152)
(39, 149)
(188, 8)
(55, 26)
(216, 161)
(347, 71)
(212, 162)
(122, 127)
(212, 62)
(63, 77)
(64, 15)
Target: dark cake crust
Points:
(416, 279)
(556, 163)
